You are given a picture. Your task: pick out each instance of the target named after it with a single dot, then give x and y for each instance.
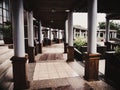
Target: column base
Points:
(49, 42)
(59, 40)
(40, 47)
(65, 47)
(70, 54)
(20, 73)
(91, 66)
(31, 54)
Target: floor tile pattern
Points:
(51, 70)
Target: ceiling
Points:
(53, 13)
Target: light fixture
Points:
(67, 10)
(51, 21)
(53, 10)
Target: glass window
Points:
(3, 4)
(101, 34)
(6, 4)
(4, 13)
(5, 19)
(7, 13)
(0, 19)
(0, 11)
(0, 4)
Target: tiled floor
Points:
(51, 70)
(59, 75)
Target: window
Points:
(0, 4)
(0, 11)
(0, 19)
(4, 11)
(101, 34)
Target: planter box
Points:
(112, 69)
(100, 49)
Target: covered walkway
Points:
(52, 72)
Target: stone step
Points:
(4, 67)
(6, 80)
(3, 50)
(6, 56)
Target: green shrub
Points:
(79, 42)
(117, 50)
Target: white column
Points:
(74, 30)
(80, 32)
(58, 34)
(107, 30)
(115, 34)
(30, 29)
(66, 29)
(92, 27)
(50, 33)
(70, 29)
(40, 32)
(18, 28)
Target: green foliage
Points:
(117, 50)
(79, 42)
(114, 26)
(6, 30)
(101, 25)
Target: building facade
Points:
(80, 31)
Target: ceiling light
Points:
(53, 10)
(51, 21)
(67, 10)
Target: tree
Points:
(113, 26)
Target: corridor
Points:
(52, 72)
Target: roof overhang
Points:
(53, 13)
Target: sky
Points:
(81, 19)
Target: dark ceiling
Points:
(53, 13)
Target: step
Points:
(7, 79)
(3, 68)
(6, 56)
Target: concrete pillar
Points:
(80, 32)
(74, 33)
(92, 27)
(31, 49)
(70, 37)
(66, 36)
(66, 29)
(107, 30)
(19, 59)
(92, 57)
(40, 37)
(115, 34)
(59, 36)
(50, 36)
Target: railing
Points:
(100, 49)
(78, 55)
(112, 45)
